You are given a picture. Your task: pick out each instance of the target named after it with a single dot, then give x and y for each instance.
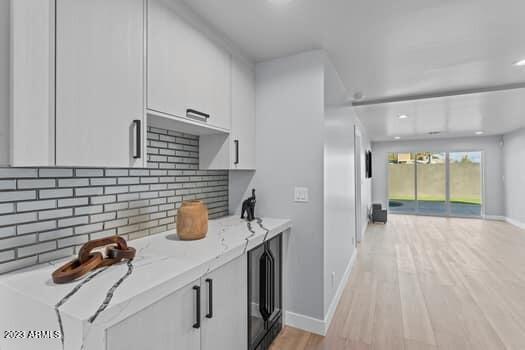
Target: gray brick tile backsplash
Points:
(46, 213)
(89, 172)
(79, 220)
(55, 214)
(57, 193)
(16, 173)
(73, 202)
(37, 227)
(13, 196)
(7, 255)
(6, 208)
(73, 182)
(55, 255)
(7, 231)
(7, 185)
(46, 183)
(55, 172)
(18, 264)
(37, 248)
(13, 219)
(50, 235)
(89, 191)
(36, 205)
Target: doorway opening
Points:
(436, 183)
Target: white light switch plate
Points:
(301, 194)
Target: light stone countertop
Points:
(29, 300)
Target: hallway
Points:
(429, 283)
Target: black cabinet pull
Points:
(197, 290)
(236, 152)
(138, 148)
(209, 281)
(190, 112)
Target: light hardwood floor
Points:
(429, 283)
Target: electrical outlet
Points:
(301, 194)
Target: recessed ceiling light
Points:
(280, 2)
(397, 137)
(479, 132)
(520, 63)
(403, 116)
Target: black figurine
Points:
(248, 207)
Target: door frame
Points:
(358, 185)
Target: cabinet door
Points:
(170, 60)
(186, 70)
(243, 115)
(225, 307)
(167, 324)
(211, 88)
(99, 81)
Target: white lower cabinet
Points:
(224, 299)
(183, 321)
(167, 324)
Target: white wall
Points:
(290, 143)
(514, 170)
(4, 81)
(366, 184)
(493, 173)
(339, 197)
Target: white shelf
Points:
(182, 124)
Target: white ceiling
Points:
(388, 48)
(494, 113)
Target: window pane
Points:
(431, 182)
(401, 182)
(465, 183)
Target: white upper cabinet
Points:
(99, 82)
(243, 115)
(189, 76)
(27, 123)
(235, 151)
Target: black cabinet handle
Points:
(138, 133)
(194, 112)
(209, 281)
(236, 152)
(197, 323)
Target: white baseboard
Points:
(305, 323)
(337, 297)
(515, 223)
(363, 232)
(495, 217)
(315, 325)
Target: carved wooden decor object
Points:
(116, 250)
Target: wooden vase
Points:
(192, 220)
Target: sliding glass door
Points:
(402, 183)
(431, 183)
(435, 183)
(465, 183)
